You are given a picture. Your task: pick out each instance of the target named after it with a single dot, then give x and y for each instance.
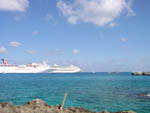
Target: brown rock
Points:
(39, 106)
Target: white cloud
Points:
(19, 17)
(130, 11)
(99, 12)
(35, 32)
(113, 24)
(14, 5)
(72, 19)
(49, 17)
(124, 39)
(76, 51)
(3, 50)
(14, 44)
(56, 52)
(30, 52)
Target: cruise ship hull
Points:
(23, 70)
(64, 71)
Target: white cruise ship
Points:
(27, 68)
(69, 69)
(36, 68)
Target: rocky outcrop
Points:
(39, 106)
(141, 73)
(145, 94)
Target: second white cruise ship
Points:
(69, 69)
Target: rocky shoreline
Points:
(141, 73)
(39, 106)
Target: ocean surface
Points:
(93, 91)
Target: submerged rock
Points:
(39, 106)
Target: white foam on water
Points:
(148, 95)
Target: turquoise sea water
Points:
(94, 91)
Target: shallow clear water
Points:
(94, 91)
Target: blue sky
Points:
(96, 35)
